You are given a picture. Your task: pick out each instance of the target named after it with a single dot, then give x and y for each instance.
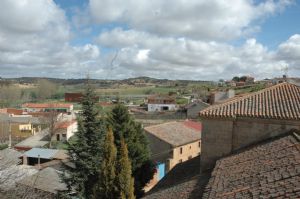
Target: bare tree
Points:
(9, 94)
(50, 119)
(45, 89)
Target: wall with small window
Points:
(185, 152)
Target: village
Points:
(217, 144)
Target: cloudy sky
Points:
(174, 39)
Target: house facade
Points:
(18, 126)
(174, 142)
(64, 130)
(219, 96)
(161, 103)
(249, 119)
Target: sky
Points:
(173, 39)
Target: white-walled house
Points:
(161, 103)
(64, 130)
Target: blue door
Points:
(161, 170)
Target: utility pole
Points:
(9, 143)
(39, 162)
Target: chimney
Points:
(284, 77)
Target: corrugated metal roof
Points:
(43, 153)
(34, 141)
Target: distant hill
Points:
(104, 83)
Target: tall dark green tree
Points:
(107, 188)
(82, 175)
(124, 180)
(124, 126)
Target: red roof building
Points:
(12, 111)
(46, 107)
(73, 97)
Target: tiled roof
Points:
(194, 125)
(281, 101)
(47, 180)
(174, 133)
(161, 97)
(187, 190)
(19, 119)
(180, 173)
(192, 104)
(191, 187)
(34, 105)
(11, 111)
(65, 124)
(267, 170)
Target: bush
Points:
(3, 146)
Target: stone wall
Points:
(216, 141)
(247, 131)
(221, 137)
(161, 151)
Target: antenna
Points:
(285, 70)
(111, 66)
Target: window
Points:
(181, 150)
(199, 144)
(180, 161)
(190, 147)
(64, 135)
(190, 157)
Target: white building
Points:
(161, 103)
(65, 130)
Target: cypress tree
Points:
(124, 180)
(82, 174)
(107, 183)
(124, 126)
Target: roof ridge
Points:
(280, 87)
(161, 124)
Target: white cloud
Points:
(34, 38)
(165, 39)
(197, 19)
(181, 58)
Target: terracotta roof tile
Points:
(35, 105)
(281, 101)
(64, 124)
(267, 170)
